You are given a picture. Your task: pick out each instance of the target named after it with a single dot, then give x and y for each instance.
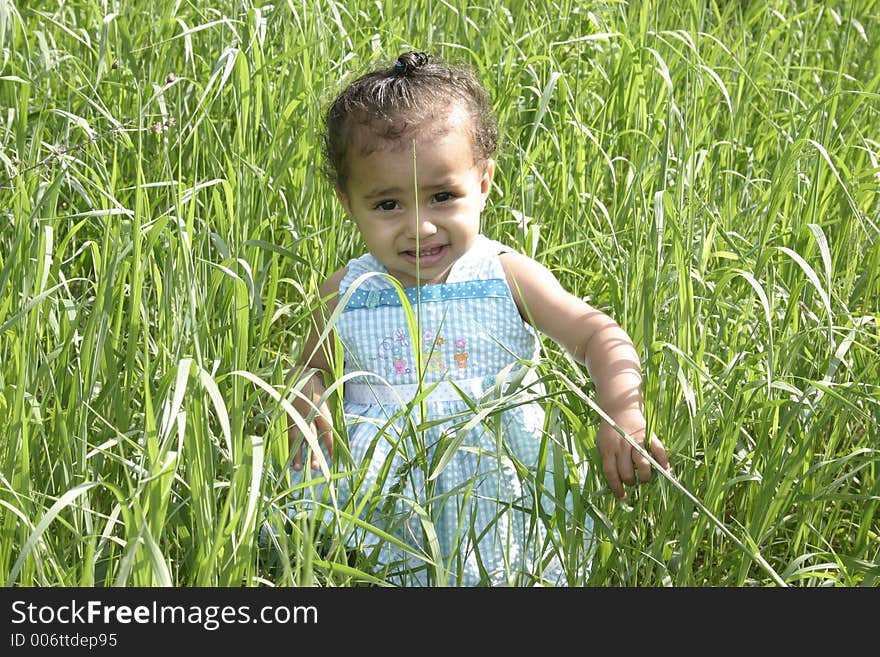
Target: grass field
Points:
(708, 173)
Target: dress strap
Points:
(480, 262)
(357, 267)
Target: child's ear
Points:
(486, 182)
(343, 198)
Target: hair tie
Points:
(408, 62)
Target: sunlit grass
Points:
(706, 172)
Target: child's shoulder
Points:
(517, 265)
(530, 282)
(510, 262)
(332, 281)
(329, 289)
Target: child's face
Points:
(381, 198)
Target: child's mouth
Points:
(427, 257)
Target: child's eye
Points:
(442, 197)
(386, 206)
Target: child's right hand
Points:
(321, 426)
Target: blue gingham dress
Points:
(434, 458)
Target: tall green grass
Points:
(706, 172)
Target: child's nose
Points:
(422, 227)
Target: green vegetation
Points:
(707, 172)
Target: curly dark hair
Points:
(404, 98)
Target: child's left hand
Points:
(621, 462)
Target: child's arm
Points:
(596, 340)
(314, 387)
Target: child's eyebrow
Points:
(382, 193)
(441, 184)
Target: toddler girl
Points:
(437, 328)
